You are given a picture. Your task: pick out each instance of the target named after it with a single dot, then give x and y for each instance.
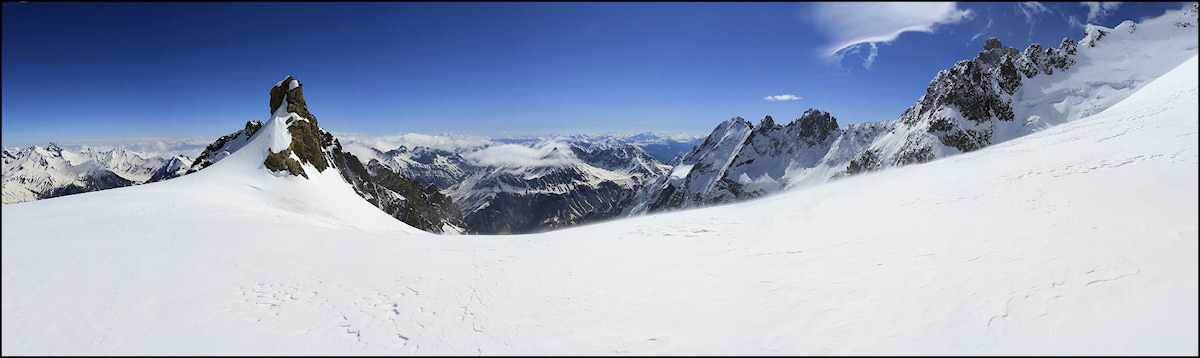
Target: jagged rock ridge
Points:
(1001, 94)
(739, 160)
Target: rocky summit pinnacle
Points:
(292, 91)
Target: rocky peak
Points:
(815, 126)
(994, 53)
(766, 124)
(292, 91)
(309, 140)
(555, 154)
(992, 43)
(1093, 33)
(735, 122)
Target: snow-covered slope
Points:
(1001, 94)
(33, 172)
(1078, 239)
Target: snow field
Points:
(1079, 239)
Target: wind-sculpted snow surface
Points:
(1080, 239)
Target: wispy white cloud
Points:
(1031, 9)
(782, 97)
(1074, 22)
(982, 32)
(1099, 9)
(859, 26)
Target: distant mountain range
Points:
(34, 172)
(536, 183)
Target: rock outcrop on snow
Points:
(225, 145)
(421, 206)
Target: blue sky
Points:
(123, 70)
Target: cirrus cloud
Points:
(1098, 10)
(858, 26)
(782, 97)
(1031, 9)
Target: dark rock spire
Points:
(294, 97)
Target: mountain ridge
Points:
(1001, 94)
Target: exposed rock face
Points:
(307, 135)
(964, 105)
(407, 200)
(292, 91)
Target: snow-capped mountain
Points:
(563, 183)
(739, 160)
(1001, 94)
(531, 186)
(426, 165)
(1080, 239)
(33, 172)
(665, 147)
(296, 145)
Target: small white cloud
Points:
(1031, 9)
(1098, 10)
(782, 97)
(852, 25)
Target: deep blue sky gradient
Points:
(115, 70)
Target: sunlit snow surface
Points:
(1078, 239)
